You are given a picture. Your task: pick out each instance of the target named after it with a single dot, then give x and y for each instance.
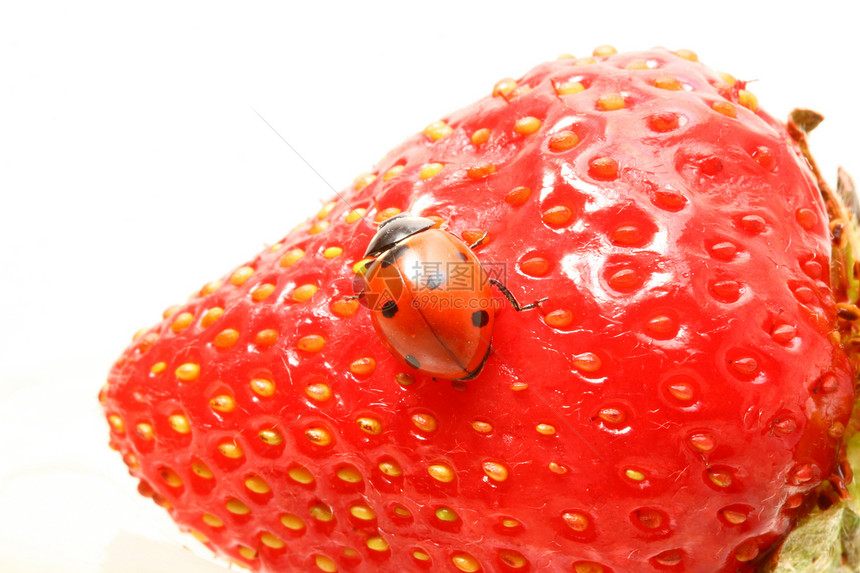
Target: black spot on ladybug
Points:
(389, 309)
(462, 256)
(435, 280)
(412, 361)
(480, 318)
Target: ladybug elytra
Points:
(431, 300)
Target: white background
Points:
(133, 169)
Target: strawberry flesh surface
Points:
(667, 408)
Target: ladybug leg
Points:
(478, 242)
(513, 300)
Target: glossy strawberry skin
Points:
(665, 410)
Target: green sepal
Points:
(824, 541)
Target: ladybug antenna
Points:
(311, 167)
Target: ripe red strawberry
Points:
(667, 409)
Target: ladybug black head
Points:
(393, 230)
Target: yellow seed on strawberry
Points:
(344, 307)
(481, 136)
(557, 215)
(362, 512)
(527, 125)
(116, 424)
(292, 522)
(392, 173)
(182, 321)
(390, 468)
(212, 520)
(291, 257)
(326, 209)
(482, 427)
(301, 474)
(262, 292)
(201, 470)
(226, 338)
(495, 471)
(231, 450)
(605, 50)
(321, 513)
(634, 475)
(266, 337)
(442, 473)
(687, 55)
(363, 366)
(179, 423)
(725, 108)
(318, 227)
(545, 429)
(257, 484)
(481, 170)
(748, 100)
(424, 422)
(311, 343)
(668, 83)
(386, 214)
(304, 292)
(587, 362)
(247, 553)
(637, 65)
(466, 563)
(319, 391)
(349, 474)
(263, 387)
(241, 275)
(438, 130)
(271, 540)
(576, 520)
(504, 86)
(188, 372)
(237, 507)
(325, 564)
(363, 181)
(210, 316)
(377, 543)
(430, 170)
(319, 436)
(171, 310)
(223, 403)
(401, 511)
(568, 88)
(370, 425)
(611, 102)
(513, 559)
(563, 140)
(355, 215)
(720, 478)
(271, 436)
(404, 379)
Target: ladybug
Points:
(431, 301)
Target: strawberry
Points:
(669, 407)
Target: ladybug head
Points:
(393, 230)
